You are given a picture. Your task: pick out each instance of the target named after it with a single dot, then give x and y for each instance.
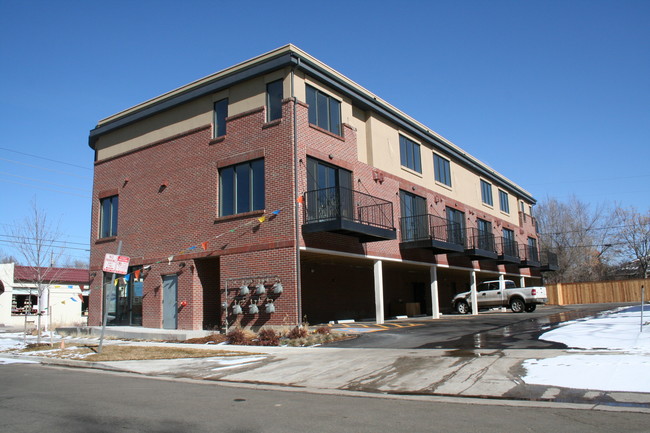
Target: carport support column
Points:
(472, 282)
(522, 281)
(435, 304)
(379, 292)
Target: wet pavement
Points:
(496, 330)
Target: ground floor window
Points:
(21, 304)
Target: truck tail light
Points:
(533, 292)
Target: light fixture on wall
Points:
(277, 288)
(260, 289)
(270, 307)
(244, 290)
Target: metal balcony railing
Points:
(328, 204)
(528, 253)
(431, 227)
(480, 240)
(524, 218)
(549, 260)
(508, 247)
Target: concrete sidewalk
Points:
(484, 374)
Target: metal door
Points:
(170, 309)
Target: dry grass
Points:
(115, 352)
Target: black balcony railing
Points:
(549, 261)
(431, 231)
(480, 240)
(529, 256)
(344, 210)
(508, 250)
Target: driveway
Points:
(489, 330)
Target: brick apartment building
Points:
(279, 189)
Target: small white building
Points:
(64, 300)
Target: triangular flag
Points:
(81, 296)
(117, 280)
(275, 212)
(136, 274)
(262, 219)
(74, 299)
(231, 230)
(204, 245)
(191, 248)
(63, 302)
(169, 259)
(127, 277)
(147, 267)
(300, 199)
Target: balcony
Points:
(480, 245)
(508, 251)
(529, 256)
(431, 232)
(349, 212)
(549, 262)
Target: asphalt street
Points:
(489, 330)
(39, 398)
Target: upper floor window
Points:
(503, 201)
(220, 114)
(409, 153)
(442, 169)
(486, 192)
(108, 207)
(274, 100)
(241, 188)
(324, 110)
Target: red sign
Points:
(116, 264)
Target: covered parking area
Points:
(345, 286)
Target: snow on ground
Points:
(618, 357)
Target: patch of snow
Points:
(622, 361)
(237, 361)
(16, 361)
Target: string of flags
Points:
(202, 245)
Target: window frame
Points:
(219, 117)
(486, 193)
(504, 201)
(273, 103)
(108, 227)
(408, 156)
(442, 169)
(235, 202)
(319, 101)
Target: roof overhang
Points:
(289, 55)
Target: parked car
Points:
(501, 293)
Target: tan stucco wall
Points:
(241, 98)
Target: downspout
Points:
(296, 193)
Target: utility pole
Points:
(105, 293)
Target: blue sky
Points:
(555, 95)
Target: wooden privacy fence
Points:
(596, 292)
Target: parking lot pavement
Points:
(487, 330)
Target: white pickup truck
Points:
(504, 293)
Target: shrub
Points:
(323, 330)
(268, 337)
(298, 332)
(239, 337)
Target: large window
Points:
(503, 201)
(324, 111)
(220, 114)
(442, 169)
(486, 192)
(108, 207)
(274, 100)
(409, 153)
(415, 221)
(241, 188)
(455, 225)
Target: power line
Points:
(47, 159)
(43, 188)
(44, 240)
(586, 230)
(13, 244)
(42, 181)
(44, 168)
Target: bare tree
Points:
(633, 238)
(579, 235)
(35, 241)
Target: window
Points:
(486, 192)
(532, 249)
(409, 152)
(503, 201)
(241, 188)
(509, 244)
(415, 221)
(108, 216)
(220, 114)
(324, 111)
(455, 226)
(442, 169)
(274, 100)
